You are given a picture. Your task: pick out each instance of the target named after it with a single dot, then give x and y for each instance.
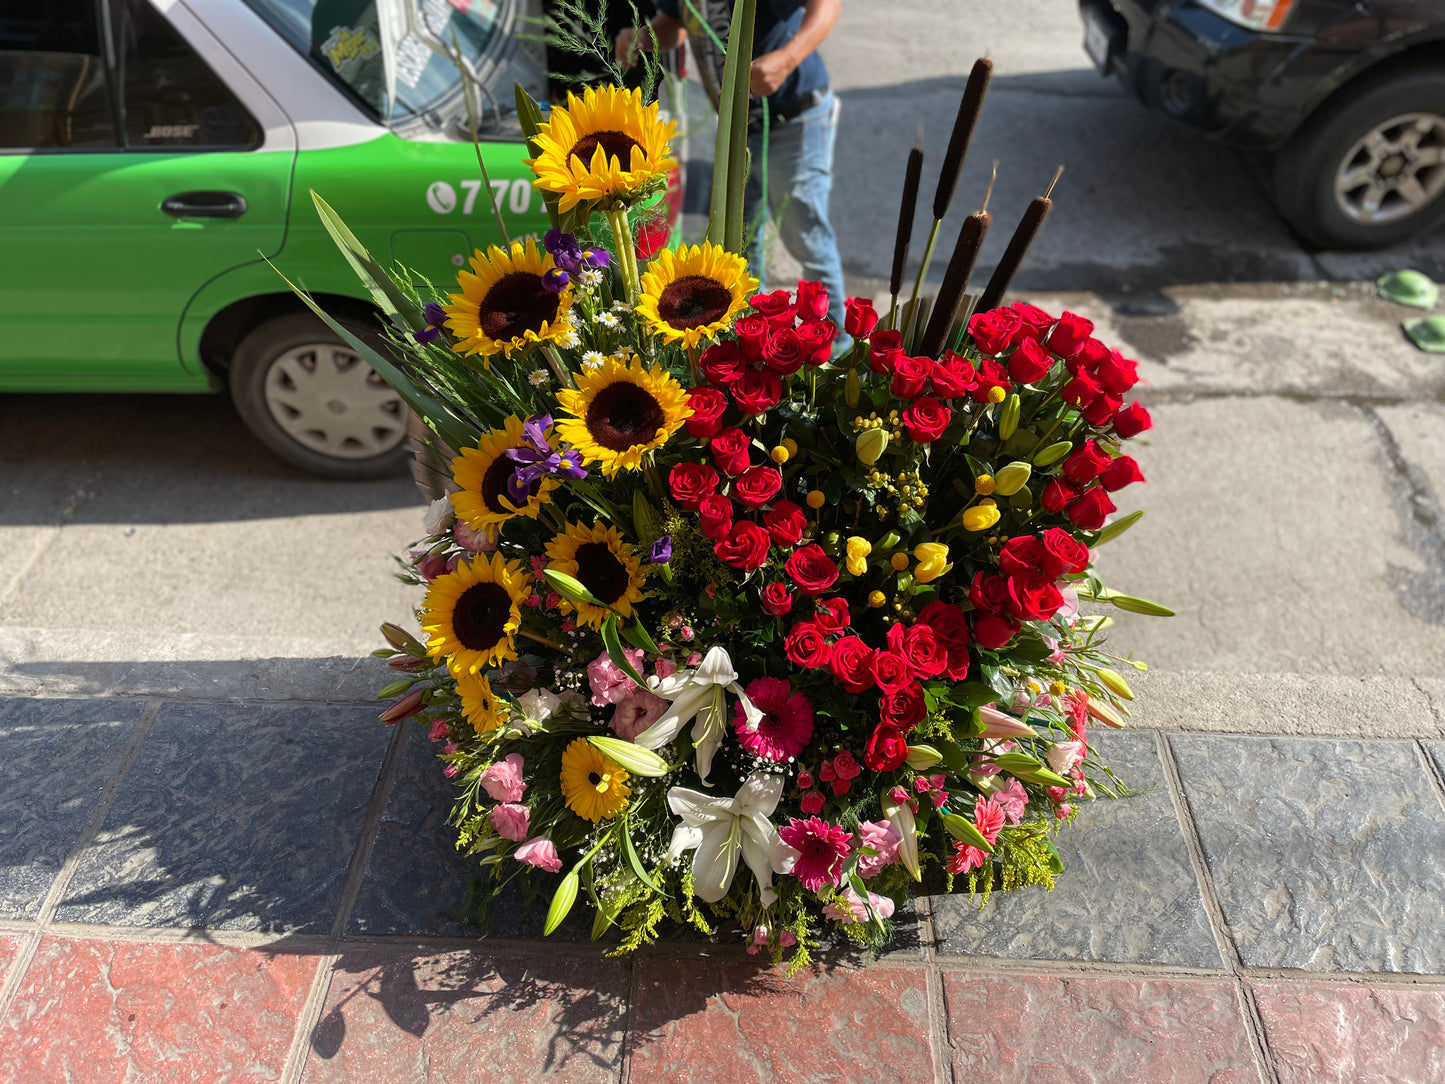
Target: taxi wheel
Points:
(1368, 170)
(316, 403)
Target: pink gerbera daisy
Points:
(988, 818)
(821, 848)
(787, 724)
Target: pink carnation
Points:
(821, 848)
(469, 539)
(503, 779)
(787, 723)
(636, 713)
(1013, 800)
(610, 684)
(510, 821)
(539, 852)
(848, 908)
(882, 837)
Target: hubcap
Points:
(1394, 171)
(330, 401)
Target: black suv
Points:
(1348, 94)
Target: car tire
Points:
(302, 391)
(1361, 148)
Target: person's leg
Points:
(754, 214)
(800, 177)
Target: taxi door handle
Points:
(205, 205)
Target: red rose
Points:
(817, 338)
(745, 547)
(1082, 390)
(812, 569)
(1022, 554)
(806, 646)
(1117, 373)
(785, 522)
(1090, 356)
(1059, 494)
(756, 486)
(1070, 333)
(691, 482)
(832, 614)
(1033, 596)
(1029, 363)
(947, 622)
(993, 331)
(1062, 553)
(707, 406)
(926, 419)
(884, 350)
(773, 306)
(952, 376)
(785, 352)
(1132, 420)
(887, 749)
(904, 709)
(988, 593)
(1102, 410)
(852, 664)
(957, 668)
(924, 651)
(993, 631)
(753, 333)
(910, 376)
(730, 450)
(1090, 510)
(722, 363)
(716, 514)
(891, 671)
(757, 391)
(777, 599)
(1085, 463)
(812, 301)
(1034, 322)
(990, 375)
(1120, 473)
(859, 317)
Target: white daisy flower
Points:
(592, 360)
(621, 306)
(539, 378)
(606, 319)
(591, 278)
(569, 341)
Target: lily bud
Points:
(404, 708)
(871, 444)
(922, 757)
(1105, 714)
(407, 665)
(901, 817)
(634, 758)
(1053, 453)
(402, 640)
(396, 688)
(570, 588)
(1115, 683)
(1012, 478)
(851, 389)
(562, 901)
(996, 724)
(1008, 418)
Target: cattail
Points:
(905, 217)
(955, 280)
(963, 125)
(1018, 247)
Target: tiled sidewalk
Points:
(227, 891)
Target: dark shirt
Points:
(774, 26)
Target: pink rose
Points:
(849, 907)
(635, 714)
(510, 821)
(610, 684)
(539, 852)
(503, 779)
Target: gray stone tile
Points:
(1436, 750)
(235, 816)
(1128, 893)
(1326, 855)
(55, 755)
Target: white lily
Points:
(698, 693)
(721, 829)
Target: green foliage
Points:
(580, 28)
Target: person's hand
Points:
(768, 73)
(624, 48)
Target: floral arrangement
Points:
(718, 625)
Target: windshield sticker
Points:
(512, 196)
(346, 47)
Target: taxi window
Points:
(53, 90)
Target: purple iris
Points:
(539, 459)
(556, 280)
(564, 249)
(661, 551)
(436, 319)
(595, 259)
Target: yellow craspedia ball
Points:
(899, 561)
(780, 455)
(876, 599)
(791, 445)
(996, 394)
(1058, 688)
(983, 484)
(816, 499)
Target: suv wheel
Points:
(1369, 170)
(315, 403)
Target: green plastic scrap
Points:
(1426, 332)
(1408, 288)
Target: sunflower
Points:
(604, 564)
(595, 787)
(507, 303)
(621, 412)
(604, 145)
(480, 706)
(691, 294)
(482, 472)
(471, 615)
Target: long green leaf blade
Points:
(741, 34)
(636, 862)
(373, 276)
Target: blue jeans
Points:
(800, 179)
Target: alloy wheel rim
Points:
(329, 400)
(1394, 171)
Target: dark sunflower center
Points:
(494, 485)
(594, 778)
(480, 616)
(693, 301)
(622, 415)
(601, 572)
(614, 145)
(518, 303)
